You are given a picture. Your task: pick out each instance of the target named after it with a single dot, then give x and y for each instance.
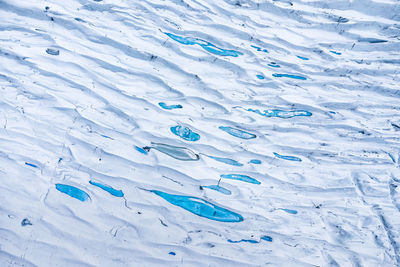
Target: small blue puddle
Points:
(278, 75)
(260, 77)
(240, 177)
(172, 253)
(26, 222)
(243, 240)
(259, 49)
(169, 107)
(52, 51)
(291, 158)
(303, 58)
(106, 136)
(204, 44)
(281, 113)
(237, 133)
(200, 207)
(290, 211)
(274, 65)
(141, 150)
(31, 165)
(109, 189)
(72, 191)
(219, 189)
(255, 161)
(226, 161)
(336, 53)
(185, 133)
(265, 238)
(372, 40)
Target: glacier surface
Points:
(200, 133)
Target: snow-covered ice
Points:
(200, 133)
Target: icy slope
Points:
(199, 133)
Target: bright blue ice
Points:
(281, 113)
(255, 161)
(237, 132)
(31, 165)
(303, 58)
(169, 107)
(240, 177)
(274, 65)
(252, 241)
(141, 150)
(219, 189)
(266, 238)
(278, 75)
(72, 191)
(109, 189)
(291, 158)
(290, 211)
(205, 45)
(185, 133)
(259, 49)
(201, 207)
(260, 77)
(334, 52)
(243, 240)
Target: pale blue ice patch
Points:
(291, 158)
(180, 153)
(281, 113)
(240, 177)
(200, 207)
(237, 132)
(219, 189)
(226, 161)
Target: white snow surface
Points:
(77, 112)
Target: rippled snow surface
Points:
(200, 133)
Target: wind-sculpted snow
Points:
(200, 133)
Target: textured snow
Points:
(200, 133)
